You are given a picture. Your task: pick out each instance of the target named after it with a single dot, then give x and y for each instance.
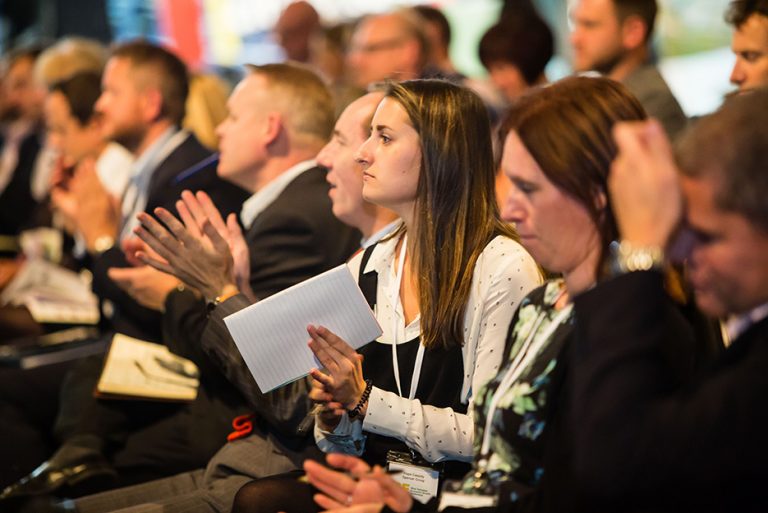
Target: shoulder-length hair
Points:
(456, 212)
(567, 128)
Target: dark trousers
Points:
(29, 401)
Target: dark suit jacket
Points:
(643, 441)
(280, 413)
(653, 93)
(151, 440)
(293, 239)
(16, 202)
(130, 317)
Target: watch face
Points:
(103, 243)
(628, 258)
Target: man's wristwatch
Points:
(627, 257)
(103, 243)
(226, 294)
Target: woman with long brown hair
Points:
(443, 288)
(557, 152)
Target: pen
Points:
(175, 366)
(196, 168)
(160, 379)
(304, 425)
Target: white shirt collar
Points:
(135, 197)
(738, 324)
(383, 254)
(113, 166)
(264, 197)
(149, 159)
(376, 237)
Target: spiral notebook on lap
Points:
(272, 334)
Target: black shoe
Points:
(38, 504)
(73, 479)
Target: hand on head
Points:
(643, 183)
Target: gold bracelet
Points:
(223, 297)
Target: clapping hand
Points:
(355, 487)
(131, 246)
(86, 205)
(329, 413)
(148, 286)
(342, 384)
(63, 201)
(199, 250)
(202, 207)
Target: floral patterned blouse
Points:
(514, 459)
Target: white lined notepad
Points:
(272, 334)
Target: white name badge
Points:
(466, 501)
(421, 482)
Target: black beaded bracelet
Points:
(354, 412)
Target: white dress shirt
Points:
(265, 196)
(503, 275)
(114, 168)
(135, 198)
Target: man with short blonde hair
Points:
(286, 239)
(299, 95)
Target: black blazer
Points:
(130, 317)
(16, 202)
(643, 441)
(279, 413)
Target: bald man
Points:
(294, 28)
(387, 46)
(278, 445)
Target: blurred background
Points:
(220, 35)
